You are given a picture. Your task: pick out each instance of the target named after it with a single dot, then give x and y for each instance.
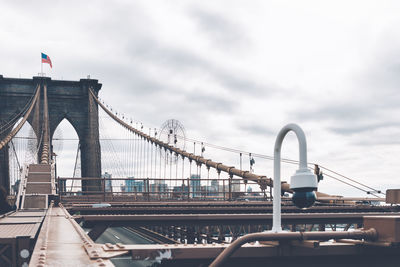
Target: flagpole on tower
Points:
(45, 59)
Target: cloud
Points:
(181, 60)
(211, 103)
(357, 128)
(370, 102)
(222, 31)
(255, 128)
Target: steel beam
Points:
(232, 219)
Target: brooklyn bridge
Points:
(151, 197)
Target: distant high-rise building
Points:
(133, 185)
(213, 188)
(158, 187)
(214, 185)
(107, 181)
(123, 188)
(195, 185)
(235, 185)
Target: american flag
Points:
(46, 59)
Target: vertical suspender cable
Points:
(135, 155)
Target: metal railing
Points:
(156, 189)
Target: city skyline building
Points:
(107, 181)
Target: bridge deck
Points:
(61, 244)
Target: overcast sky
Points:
(233, 72)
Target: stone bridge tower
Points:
(69, 100)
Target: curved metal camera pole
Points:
(276, 217)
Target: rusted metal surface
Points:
(39, 168)
(39, 177)
(251, 250)
(209, 219)
(217, 207)
(61, 243)
(38, 188)
(369, 234)
(393, 196)
(388, 227)
(35, 201)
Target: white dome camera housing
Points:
(303, 183)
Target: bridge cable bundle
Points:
(168, 150)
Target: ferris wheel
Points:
(172, 133)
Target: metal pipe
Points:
(276, 222)
(369, 234)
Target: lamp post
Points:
(303, 182)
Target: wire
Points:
(12, 121)
(354, 181)
(285, 160)
(351, 185)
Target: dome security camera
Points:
(303, 183)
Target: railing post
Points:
(188, 189)
(135, 191)
(59, 189)
(223, 187)
(148, 189)
(182, 188)
(104, 189)
(230, 187)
